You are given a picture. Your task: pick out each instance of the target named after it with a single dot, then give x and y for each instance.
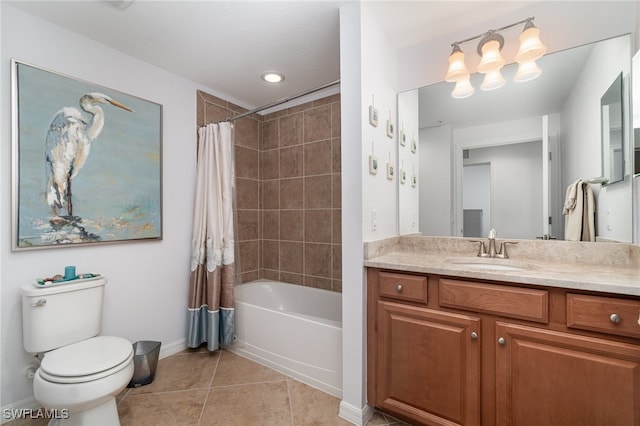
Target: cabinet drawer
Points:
(403, 286)
(604, 314)
(506, 301)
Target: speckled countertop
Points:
(603, 267)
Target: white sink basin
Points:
(491, 264)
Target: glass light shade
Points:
(457, 69)
(493, 80)
(527, 71)
(491, 60)
(531, 48)
(463, 89)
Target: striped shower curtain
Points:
(210, 309)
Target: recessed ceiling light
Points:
(118, 4)
(272, 77)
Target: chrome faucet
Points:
(500, 252)
(492, 243)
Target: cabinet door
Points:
(545, 377)
(428, 365)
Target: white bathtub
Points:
(294, 329)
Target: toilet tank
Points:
(61, 314)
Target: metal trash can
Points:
(145, 361)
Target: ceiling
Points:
(227, 45)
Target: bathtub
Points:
(294, 329)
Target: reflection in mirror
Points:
(532, 140)
(612, 131)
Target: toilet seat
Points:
(88, 360)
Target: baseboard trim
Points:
(355, 415)
(11, 411)
(172, 348)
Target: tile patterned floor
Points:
(195, 387)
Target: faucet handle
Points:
(492, 234)
(482, 249)
(502, 254)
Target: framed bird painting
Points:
(87, 162)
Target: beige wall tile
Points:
(291, 130)
(317, 124)
(291, 161)
(317, 158)
(317, 192)
(292, 225)
(317, 226)
(291, 193)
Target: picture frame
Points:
(390, 129)
(403, 176)
(373, 116)
(390, 171)
(403, 138)
(414, 146)
(86, 162)
(373, 164)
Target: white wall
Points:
(146, 296)
(436, 181)
(367, 68)
(408, 201)
(380, 193)
(516, 192)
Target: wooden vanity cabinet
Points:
(447, 351)
(546, 377)
(423, 364)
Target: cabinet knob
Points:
(615, 318)
(399, 288)
(474, 335)
(501, 341)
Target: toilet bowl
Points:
(84, 376)
(81, 373)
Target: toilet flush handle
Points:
(40, 302)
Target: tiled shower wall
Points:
(288, 191)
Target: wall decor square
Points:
(84, 175)
(373, 116)
(373, 164)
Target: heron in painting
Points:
(68, 144)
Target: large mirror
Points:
(505, 158)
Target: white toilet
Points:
(81, 372)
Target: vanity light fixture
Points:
(492, 61)
(272, 77)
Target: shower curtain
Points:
(210, 309)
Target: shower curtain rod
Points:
(283, 100)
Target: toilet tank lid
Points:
(87, 357)
(38, 290)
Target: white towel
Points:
(579, 211)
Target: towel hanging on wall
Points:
(579, 211)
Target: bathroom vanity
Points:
(550, 336)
